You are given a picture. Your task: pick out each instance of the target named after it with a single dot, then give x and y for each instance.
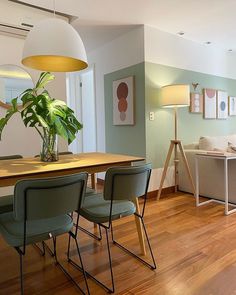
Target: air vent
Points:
(13, 30)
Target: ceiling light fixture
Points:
(208, 42)
(181, 33)
(54, 45)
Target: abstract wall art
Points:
(222, 104)
(209, 104)
(196, 103)
(232, 105)
(123, 101)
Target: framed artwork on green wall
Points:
(232, 105)
(222, 104)
(196, 103)
(123, 101)
(209, 103)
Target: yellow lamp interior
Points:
(54, 63)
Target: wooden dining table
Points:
(13, 170)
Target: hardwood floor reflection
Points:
(195, 249)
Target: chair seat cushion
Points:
(6, 204)
(97, 210)
(37, 230)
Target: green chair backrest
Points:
(10, 157)
(125, 183)
(48, 197)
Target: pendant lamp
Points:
(54, 45)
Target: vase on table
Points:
(49, 150)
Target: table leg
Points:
(93, 181)
(226, 187)
(140, 229)
(93, 185)
(197, 182)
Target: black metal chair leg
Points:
(66, 272)
(98, 238)
(48, 249)
(21, 275)
(68, 249)
(149, 245)
(82, 266)
(42, 251)
(152, 266)
(109, 290)
(110, 261)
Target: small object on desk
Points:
(215, 153)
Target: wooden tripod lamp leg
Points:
(172, 144)
(187, 167)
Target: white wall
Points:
(16, 139)
(173, 50)
(122, 52)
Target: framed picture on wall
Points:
(123, 101)
(196, 103)
(222, 104)
(232, 105)
(209, 103)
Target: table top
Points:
(216, 155)
(83, 162)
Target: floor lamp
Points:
(175, 96)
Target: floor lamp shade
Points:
(54, 45)
(175, 95)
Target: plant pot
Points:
(49, 151)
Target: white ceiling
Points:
(201, 20)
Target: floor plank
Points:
(195, 249)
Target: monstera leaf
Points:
(46, 114)
(9, 114)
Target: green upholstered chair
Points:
(122, 186)
(89, 191)
(6, 202)
(42, 209)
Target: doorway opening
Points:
(81, 98)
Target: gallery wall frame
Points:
(209, 103)
(222, 104)
(196, 103)
(232, 105)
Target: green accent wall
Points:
(128, 139)
(190, 126)
(152, 138)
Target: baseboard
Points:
(152, 194)
(165, 191)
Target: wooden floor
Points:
(195, 249)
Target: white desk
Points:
(221, 157)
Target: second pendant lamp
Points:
(54, 45)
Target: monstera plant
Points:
(49, 116)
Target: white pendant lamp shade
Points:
(54, 45)
(175, 96)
